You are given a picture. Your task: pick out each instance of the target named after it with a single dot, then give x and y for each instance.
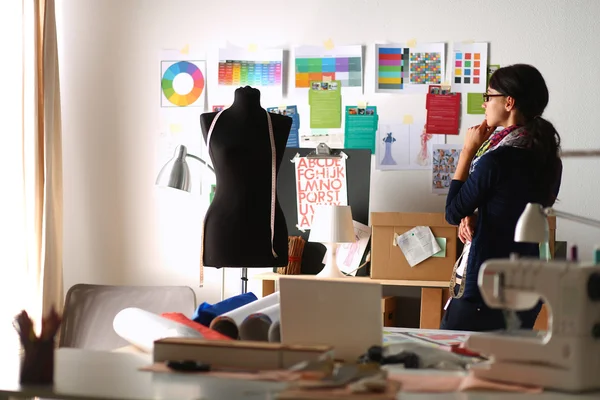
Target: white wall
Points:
(117, 229)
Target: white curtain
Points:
(31, 164)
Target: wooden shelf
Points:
(273, 276)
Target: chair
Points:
(90, 310)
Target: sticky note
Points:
(327, 78)
(328, 44)
(408, 119)
(470, 41)
(185, 49)
(411, 43)
(361, 104)
(252, 47)
(175, 128)
(442, 243)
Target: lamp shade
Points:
(176, 173)
(532, 226)
(332, 224)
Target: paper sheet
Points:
(418, 244)
(469, 67)
(319, 181)
(409, 67)
(445, 160)
(405, 146)
(256, 326)
(360, 127)
(475, 100)
(337, 63)
(292, 112)
(325, 101)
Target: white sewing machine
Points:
(567, 356)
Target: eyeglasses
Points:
(486, 96)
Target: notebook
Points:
(336, 312)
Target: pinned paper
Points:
(408, 119)
(411, 43)
(185, 49)
(418, 244)
(328, 44)
(175, 128)
(442, 243)
(252, 47)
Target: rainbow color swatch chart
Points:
(393, 67)
(347, 70)
(247, 72)
(182, 83)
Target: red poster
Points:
(443, 111)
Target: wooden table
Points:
(434, 294)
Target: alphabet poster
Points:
(319, 181)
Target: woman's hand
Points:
(466, 229)
(476, 135)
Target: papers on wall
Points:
(418, 244)
(445, 160)
(319, 181)
(409, 68)
(405, 146)
(349, 255)
(443, 110)
(292, 112)
(469, 67)
(325, 101)
(360, 127)
(331, 63)
(475, 100)
(182, 100)
(261, 69)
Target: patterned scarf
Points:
(513, 136)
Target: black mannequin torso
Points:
(237, 225)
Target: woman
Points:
(497, 174)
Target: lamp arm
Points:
(201, 160)
(583, 220)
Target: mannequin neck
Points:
(246, 98)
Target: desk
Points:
(433, 295)
(98, 375)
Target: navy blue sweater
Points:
(500, 187)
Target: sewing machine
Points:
(567, 356)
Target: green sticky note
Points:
(325, 99)
(475, 103)
(211, 195)
(442, 243)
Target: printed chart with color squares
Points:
(469, 67)
(247, 72)
(347, 70)
(426, 68)
(182, 83)
(392, 68)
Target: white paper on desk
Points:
(418, 244)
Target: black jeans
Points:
(474, 315)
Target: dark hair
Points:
(526, 85)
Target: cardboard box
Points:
(245, 355)
(388, 261)
(388, 306)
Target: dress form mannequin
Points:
(237, 226)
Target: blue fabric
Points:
(499, 188)
(206, 312)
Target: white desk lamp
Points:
(332, 225)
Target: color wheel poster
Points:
(408, 68)
(182, 100)
(339, 63)
(261, 69)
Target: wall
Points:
(117, 227)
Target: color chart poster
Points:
(261, 69)
(182, 83)
(401, 68)
(469, 67)
(340, 63)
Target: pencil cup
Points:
(37, 364)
